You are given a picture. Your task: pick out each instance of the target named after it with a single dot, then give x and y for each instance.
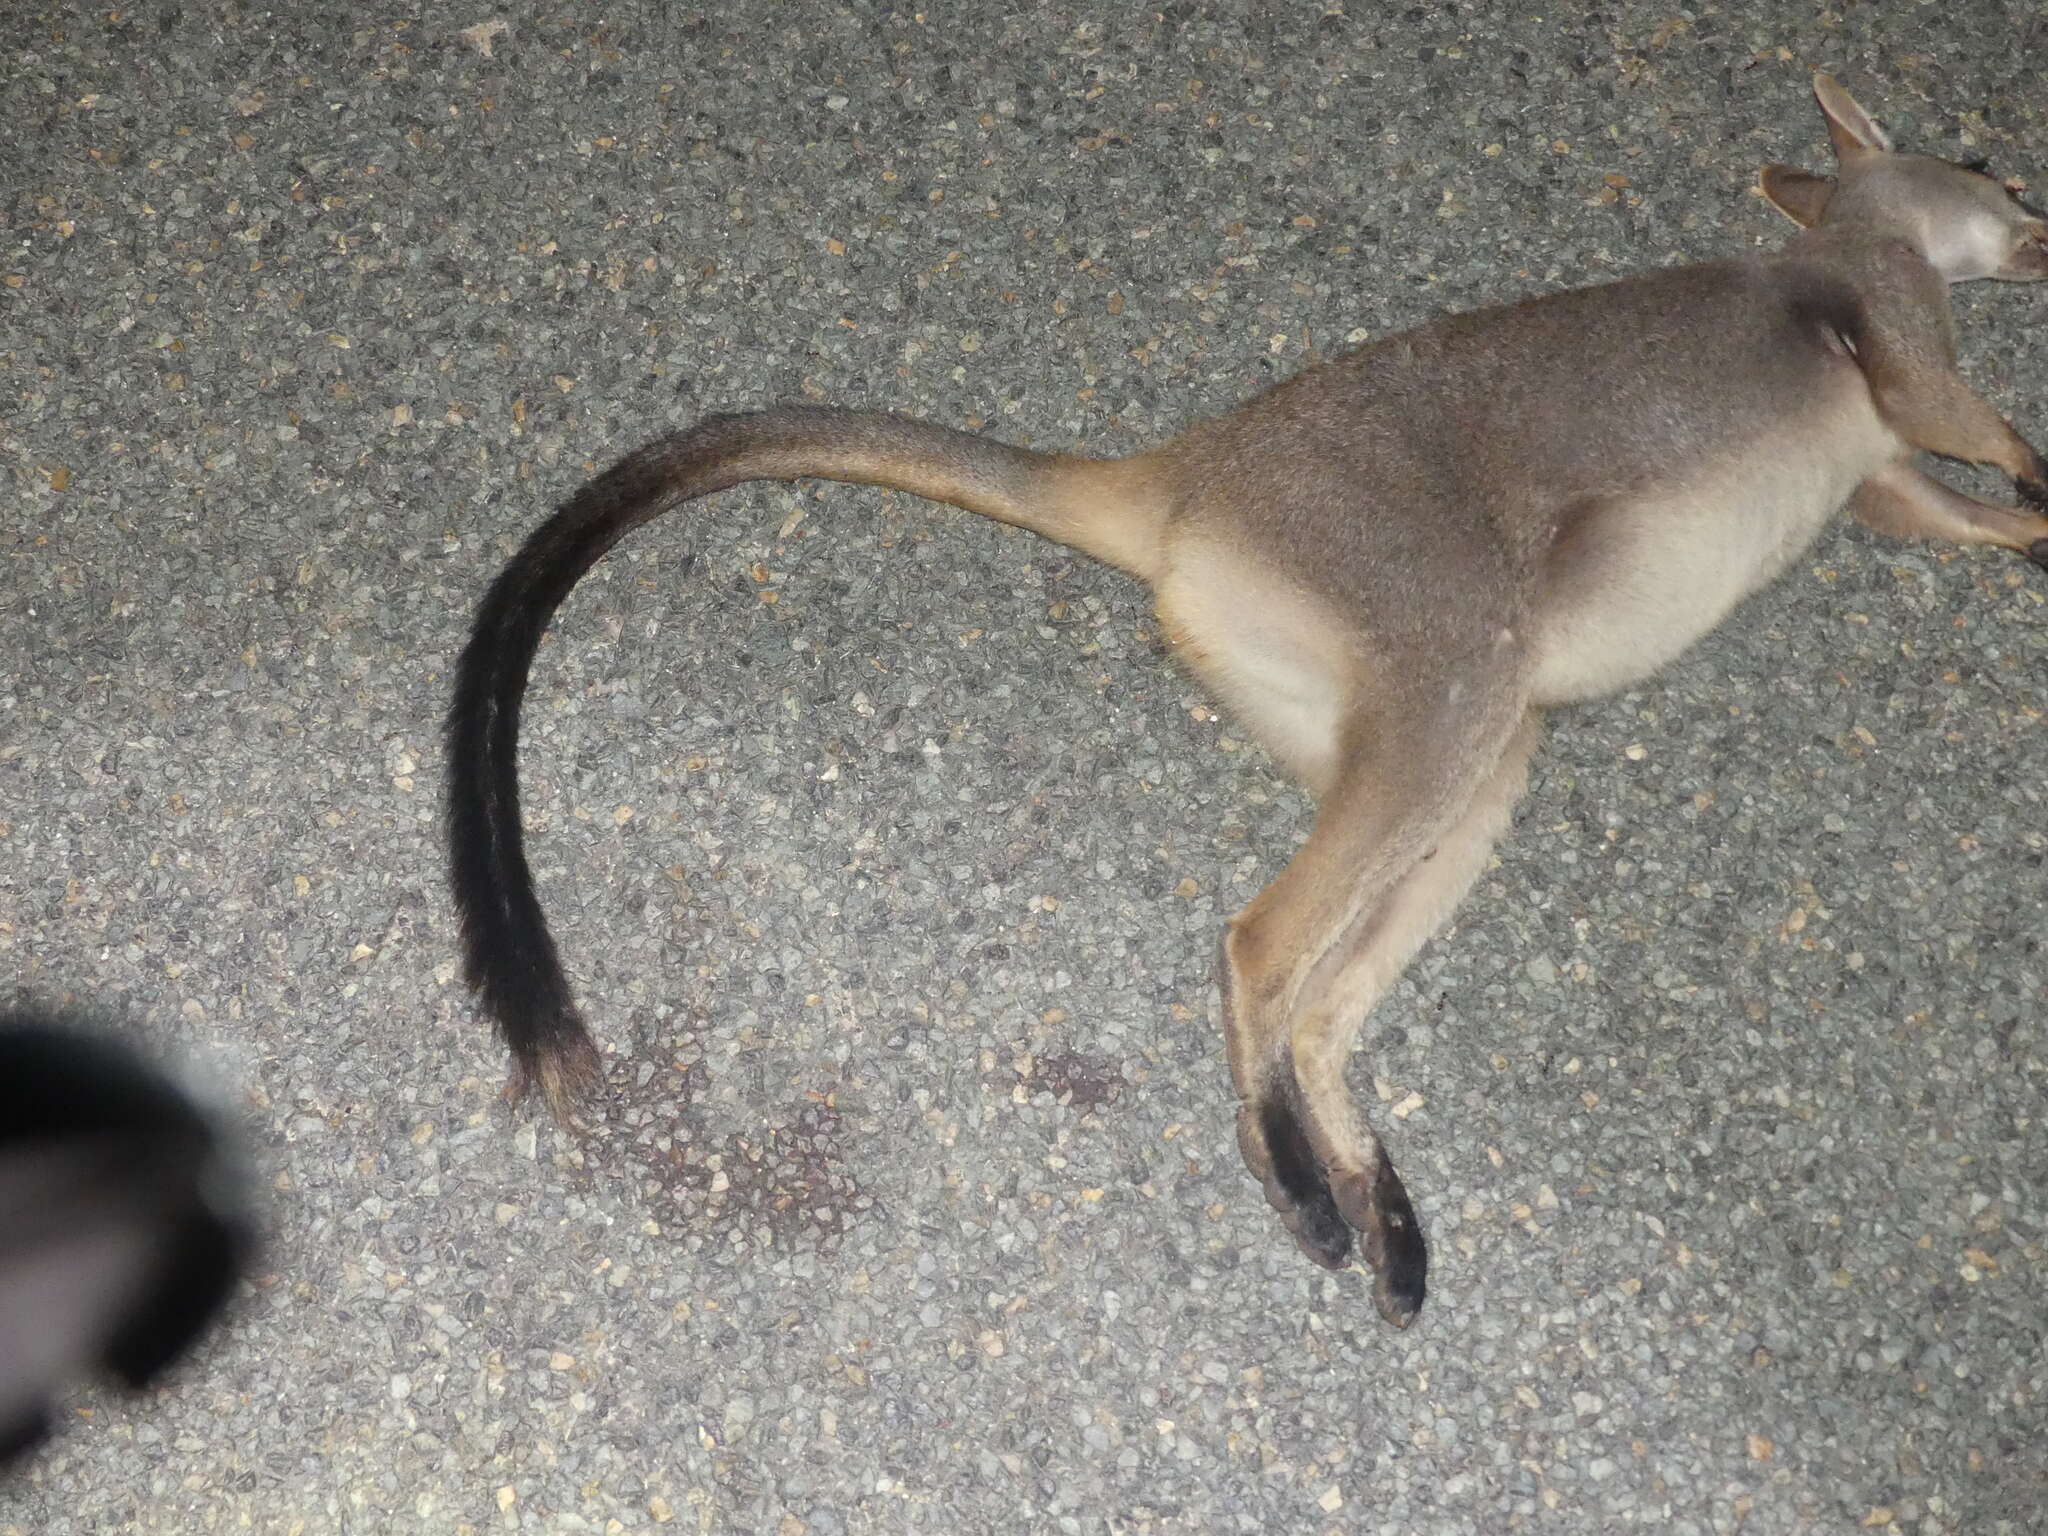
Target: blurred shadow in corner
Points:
(123, 1221)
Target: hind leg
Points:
(1392, 853)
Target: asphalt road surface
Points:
(887, 848)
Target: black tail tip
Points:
(529, 1001)
(567, 1070)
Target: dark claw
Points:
(2034, 493)
(2038, 553)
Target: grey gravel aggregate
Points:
(887, 850)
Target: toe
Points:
(1378, 1206)
(1320, 1231)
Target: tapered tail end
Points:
(513, 970)
(568, 1072)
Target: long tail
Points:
(1105, 507)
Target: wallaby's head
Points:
(1965, 223)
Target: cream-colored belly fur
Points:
(1663, 571)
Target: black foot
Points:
(2038, 553)
(1322, 1208)
(1297, 1188)
(1391, 1237)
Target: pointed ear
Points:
(1850, 129)
(1799, 195)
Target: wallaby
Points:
(1387, 567)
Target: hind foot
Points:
(1322, 1206)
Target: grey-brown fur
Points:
(1387, 568)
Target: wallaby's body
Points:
(1387, 567)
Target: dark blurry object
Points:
(122, 1225)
